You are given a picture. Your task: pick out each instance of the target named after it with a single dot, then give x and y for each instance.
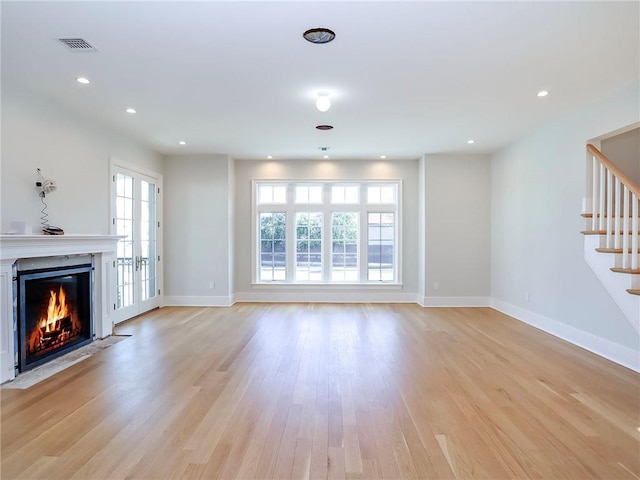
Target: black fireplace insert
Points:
(55, 312)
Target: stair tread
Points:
(612, 250)
(590, 215)
(634, 291)
(601, 232)
(626, 270)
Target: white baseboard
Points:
(619, 354)
(454, 302)
(333, 296)
(192, 301)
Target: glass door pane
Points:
(148, 240)
(124, 221)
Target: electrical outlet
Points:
(436, 285)
(212, 285)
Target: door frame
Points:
(115, 165)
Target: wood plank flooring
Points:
(259, 391)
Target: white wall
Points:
(197, 236)
(624, 151)
(71, 150)
(537, 190)
(247, 170)
(457, 191)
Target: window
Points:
(272, 194)
(345, 194)
(344, 248)
(381, 194)
(327, 232)
(380, 246)
(309, 246)
(308, 194)
(272, 246)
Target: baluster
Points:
(601, 197)
(609, 222)
(626, 227)
(594, 194)
(634, 229)
(618, 213)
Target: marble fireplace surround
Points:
(14, 247)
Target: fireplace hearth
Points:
(54, 308)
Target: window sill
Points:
(329, 286)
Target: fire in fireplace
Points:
(54, 310)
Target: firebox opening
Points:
(54, 312)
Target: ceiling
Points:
(405, 78)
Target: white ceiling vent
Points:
(78, 45)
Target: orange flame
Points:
(56, 310)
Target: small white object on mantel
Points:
(20, 228)
(14, 247)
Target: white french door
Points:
(135, 215)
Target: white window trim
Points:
(326, 208)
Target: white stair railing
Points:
(615, 205)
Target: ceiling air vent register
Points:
(77, 45)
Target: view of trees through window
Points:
(272, 246)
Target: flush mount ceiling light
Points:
(319, 35)
(131, 110)
(83, 80)
(324, 127)
(182, 142)
(471, 141)
(322, 102)
(543, 93)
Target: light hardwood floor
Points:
(327, 391)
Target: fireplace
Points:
(54, 308)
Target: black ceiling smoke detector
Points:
(324, 127)
(319, 35)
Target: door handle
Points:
(137, 263)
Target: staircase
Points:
(612, 236)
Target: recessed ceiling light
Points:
(182, 142)
(319, 35)
(131, 110)
(269, 157)
(543, 93)
(471, 141)
(83, 80)
(324, 127)
(325, 156)
(383, 157)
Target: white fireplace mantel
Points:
(14, 247)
